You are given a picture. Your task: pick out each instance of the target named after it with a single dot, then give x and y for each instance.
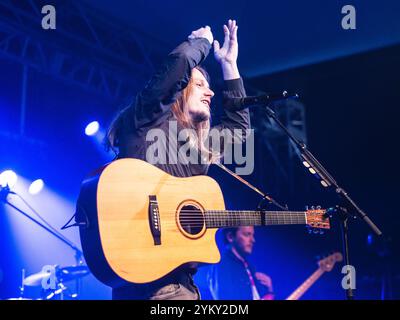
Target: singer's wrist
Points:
(230, 71)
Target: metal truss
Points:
(87, 47)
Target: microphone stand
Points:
(5, 191)
(348, 208)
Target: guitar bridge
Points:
(154, 220)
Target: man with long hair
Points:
(179, 93)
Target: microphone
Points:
(237, 104)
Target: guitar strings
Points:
(215, 217)
(236, 218)
(230, 217)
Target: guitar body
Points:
(118, 243)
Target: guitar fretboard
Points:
(237, 218)
(296, 295)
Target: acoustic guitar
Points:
(138, 223)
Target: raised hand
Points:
(228, 53)
(204, 32)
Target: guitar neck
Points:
(305, 285)
(230, 218)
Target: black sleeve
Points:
(234, 119)
(173, 76)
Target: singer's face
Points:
(199, 98)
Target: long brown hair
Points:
(180, 110)
(202, 128)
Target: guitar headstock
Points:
(328, 263)
(317, 219)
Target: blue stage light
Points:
(8, 177)
(36, 186)
(92, 128)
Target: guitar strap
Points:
(248, 184)
(254, 292)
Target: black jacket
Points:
(152, 107)
(228, 280)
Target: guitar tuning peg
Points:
(306, 208)
(312, 208)
(316, 231)
(318, 207)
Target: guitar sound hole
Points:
(191, 219)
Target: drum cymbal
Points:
(72, 273)
(62, 275)
(35, 279)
